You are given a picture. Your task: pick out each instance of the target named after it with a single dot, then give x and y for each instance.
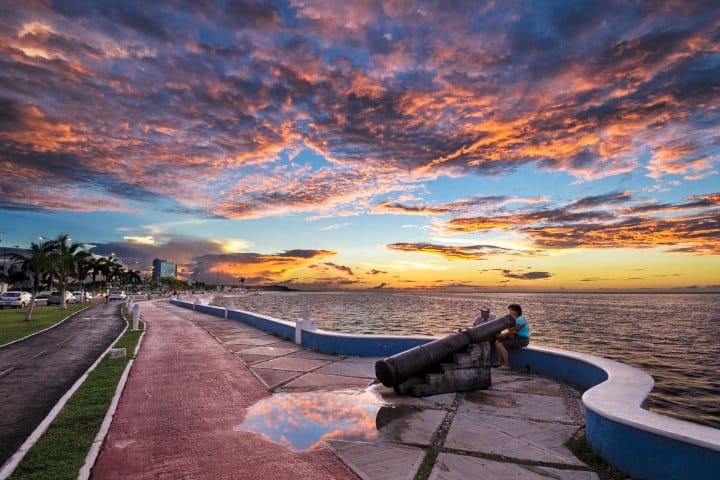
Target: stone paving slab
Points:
(407, 424)
(527, 405)
(389, 397)
(315, 355)
(252, 359)
(273, 378)
(281, 349)
(235, 336)
(449, 466)
(530, 384)
(379, 462)
(350, 369)
(253, 341)
(512, 437)
(326, 382)
(294, 364)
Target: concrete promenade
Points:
(214, 398)
(37, 371)
(177, 416)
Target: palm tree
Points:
(15, 275)
(95, 264)
(38, 262)
(65, 256)
(132, 277)
(82, 269)
(104, 265)
(115, 271)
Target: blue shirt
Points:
(525, 330)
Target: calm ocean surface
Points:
(674, 337)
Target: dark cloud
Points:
(137, 18)
(526, 275)
(253, 14)
(342, 268)
(595, 200)
(10, 114)
(460, 205)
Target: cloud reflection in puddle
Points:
(305, 420)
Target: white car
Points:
(116, 295)
(15, 299)
(79, 296)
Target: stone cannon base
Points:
(469, 370)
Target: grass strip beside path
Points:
(60, 453)
(12, 326)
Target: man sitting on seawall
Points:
(517, 336)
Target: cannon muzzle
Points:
(394, 370)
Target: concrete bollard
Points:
(304, 323)
(136, 316)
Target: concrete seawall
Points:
(635, 440)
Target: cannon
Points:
(392, 371)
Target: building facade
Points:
(163, 269)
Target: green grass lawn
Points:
(61, 451)
(12, 326)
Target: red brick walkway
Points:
(176, 417)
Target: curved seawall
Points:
(635, 440)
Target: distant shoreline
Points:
(514, 292)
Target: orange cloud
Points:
(472, 252)
(255, 267)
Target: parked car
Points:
(15, 299)
(116, 295)
(79, 297)
(54, 298)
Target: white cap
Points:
(484, 308)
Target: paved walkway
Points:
(178, 415)
(37, 371)
(516, 429)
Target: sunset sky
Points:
(358, 145)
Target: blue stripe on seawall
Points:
(647, 455)
(359, 345)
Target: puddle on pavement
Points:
(305, 420)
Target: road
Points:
(36, 372)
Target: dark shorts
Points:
(515, 343)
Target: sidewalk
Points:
(178, 415)
(516, 429)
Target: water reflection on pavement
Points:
(305, 420)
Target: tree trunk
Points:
(63, 303)
(29, 309)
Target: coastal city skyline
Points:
(519, 146)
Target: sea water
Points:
(673, 337)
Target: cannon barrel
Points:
(394, 370)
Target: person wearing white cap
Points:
(485, 316)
